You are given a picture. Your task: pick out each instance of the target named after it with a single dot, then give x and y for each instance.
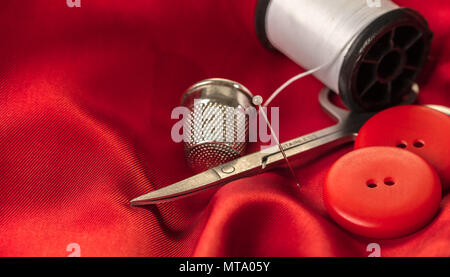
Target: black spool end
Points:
(384, 61)
(260, 22)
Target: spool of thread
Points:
(373, 54)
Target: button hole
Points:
(419, 144)
(371, 183)
(389, 181)
(402, 144)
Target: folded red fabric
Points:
(86, 96)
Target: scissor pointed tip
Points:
(141, 201)
(134, 202)
(180, 189)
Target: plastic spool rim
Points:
(384, 61)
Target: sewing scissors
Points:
(298, 151)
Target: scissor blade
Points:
(252, 164)
(222, 174)
(195, 183)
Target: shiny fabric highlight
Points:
(85, 101)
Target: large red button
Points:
(382, 192)
(418, 129)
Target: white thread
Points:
(303, 30)
(289, 82)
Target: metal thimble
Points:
(217, 125)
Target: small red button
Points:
(382, 192)
(418, 129)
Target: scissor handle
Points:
(329, 107)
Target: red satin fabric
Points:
(85, 101)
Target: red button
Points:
(382, 192)
(418, 129)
